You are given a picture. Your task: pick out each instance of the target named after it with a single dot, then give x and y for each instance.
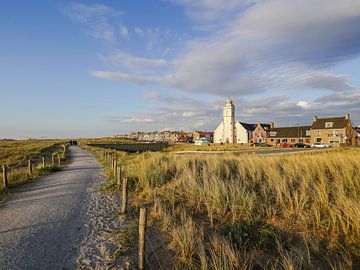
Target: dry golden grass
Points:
(106, 140)
(242, 212)
(225, 147)
(15, 155)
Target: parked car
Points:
(286, 145)
(320, 145)
(301, 145)
(260, 145)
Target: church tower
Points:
(229, 121)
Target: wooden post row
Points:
(118, 176)
(5, 178)
(124, 196)
(43, 162)
(142, 235)
(30, 169)
(115, 168)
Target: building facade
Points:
(289, 135)
(232, 131)
(334, 131)
(261, 133)
(198, 135)
(225, 132)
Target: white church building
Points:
(231, 131)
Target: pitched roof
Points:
(204, 132)
(247, 126)
(338, 122)
(289, 132)
(265, 126)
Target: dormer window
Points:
(273, 133)
(329, 124)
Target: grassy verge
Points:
(15, 155)
(225, 147)
(245, 212)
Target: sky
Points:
(103, 68)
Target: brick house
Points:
(260, 133)
(197, 135)
(289, 135)
(335, 131)
(357, 135)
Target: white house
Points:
(231, 131)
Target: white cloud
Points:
(303, 104)
(136, 120)
(152, 35)
(188, 114)
(210, 10)
(96, 18)
(321, 80)
(121, 58)
(253, 52)
(124, 77)
(348, 98)
(123, 31)
(83, 13)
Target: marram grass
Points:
(248, 212)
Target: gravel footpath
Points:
(102, 222)
(59, 222)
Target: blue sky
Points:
(100, 68)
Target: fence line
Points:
(144, 240)
(28, 167)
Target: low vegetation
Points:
(249, 212)
(106, 140)
(193, 147)
(15, 155)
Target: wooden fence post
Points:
(119, 176)
(5, 178)
(43, 162)
(30, 169)
(124, 196)
(52, 160)
(142, 235)
(115, 168)
(59, 160)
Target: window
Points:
(292, 140)
(273, 134)
(337, 132)
(308, 133)
(272, 140)
(301, 140)
(329, 124)
(284, 140)
(318, 133)
(318, 140)
(277, 140)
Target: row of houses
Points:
(334, 131)
(170, 136)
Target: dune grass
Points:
(15, 154)
(249, 212)
(106, 140)
(225, 147)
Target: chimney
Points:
(272, 124)
(315, 118)
(347, 116)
